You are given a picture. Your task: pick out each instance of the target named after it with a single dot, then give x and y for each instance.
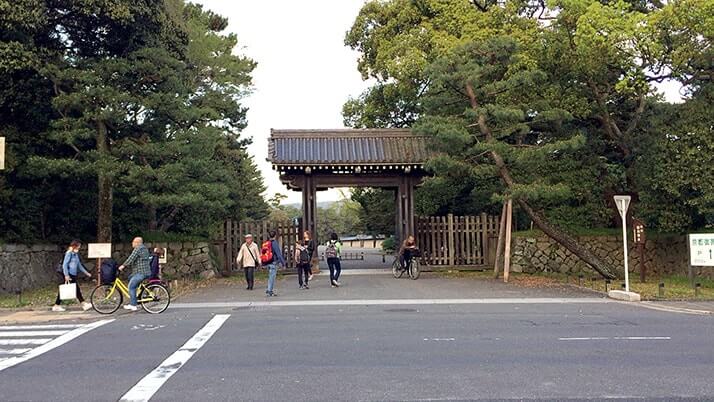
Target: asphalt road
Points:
(559, 351)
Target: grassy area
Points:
(676, 287)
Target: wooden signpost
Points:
(2, 153)
(99, 251)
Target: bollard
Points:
(697, 289)
(19, 298)
(580, 279)
(660, 290)
(607, 285)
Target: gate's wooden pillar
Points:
(405, 208)
(309, 213)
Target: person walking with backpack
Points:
(70, 265)
(248, 259)
(303, 257)
(333, 249)
(272, 256)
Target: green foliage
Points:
(377, 210)
(140, 97)
(341, 217)
(389, 245)
(568, 100)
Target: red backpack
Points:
(266, 252)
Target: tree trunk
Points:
(153, 222)
(568, 242)
(551, 231)
(104, 188)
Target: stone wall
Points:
(25, 267)
(663, 255)
(183, 260)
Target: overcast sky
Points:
(305, 72)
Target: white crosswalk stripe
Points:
(19, 343)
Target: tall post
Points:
(451, 251)
(309, 213)
(501, 241)
(624, 245)
(507, 253)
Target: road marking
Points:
(439, 339)
(33, 327)
(35, 341)
(149, 385)
(47, 345)
(671, 309)
(15, 334)
(383, 302)
(619, 338)
(13, 351)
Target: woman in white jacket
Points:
(249, 259)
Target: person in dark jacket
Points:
(156, 254)
(71, 265)
(278, 260)
(304, 252)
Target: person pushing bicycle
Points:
(139, 262)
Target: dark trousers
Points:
(335, 268)
(249, 276)
(72, 279)
(303, 270)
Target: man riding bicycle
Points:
(140, 270)
(407, 251)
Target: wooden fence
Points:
(234, 233)
(458, 240)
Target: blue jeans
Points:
(272, 272)
(134, 282)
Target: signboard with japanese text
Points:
(99, 250)
(701, 249)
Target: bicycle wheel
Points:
(397, 270)
(105, 299)
(414, 269)
(155, 299)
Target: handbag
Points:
(68, 291)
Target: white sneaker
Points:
(337, 283)
(130, 307)
(86, 306)
(58, 308)
(309, 278)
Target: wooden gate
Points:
(233, 237)
(458, 240)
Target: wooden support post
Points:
(451, 245)
(501, 241)
(507, 253)
(99, 274)
(643, 268)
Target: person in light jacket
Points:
(249, 259)
(70, 267)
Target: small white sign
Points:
(100, 250)
(622, 202)
(162, 257)
(701, 249)
(2, 153)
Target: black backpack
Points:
(304, 256)
(108, 271)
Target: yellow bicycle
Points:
(153, 297)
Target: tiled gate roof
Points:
(347, 147)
